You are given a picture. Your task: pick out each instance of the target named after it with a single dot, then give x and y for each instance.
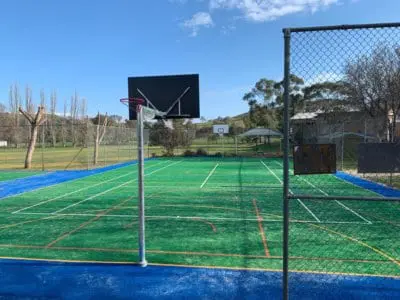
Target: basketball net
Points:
(149, 113)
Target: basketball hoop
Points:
(137, 104)
(221, 131)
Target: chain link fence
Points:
(343, 88)
(72, 146)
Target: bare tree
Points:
(74, 109)
(83, 108)
(373, 83)
(53, 106)
(29, 107)
(14, 104)
(3, 108)
(63, 125)
(35, 121)
(99, 135)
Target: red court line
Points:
(84, 224)
(206, 222)
(260, 227)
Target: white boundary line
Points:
(76, 191)
(183, 217)
(338, 202)
(352, 184)
(309, 210)
(301, 202)
(72, 180)
(209, 175)
(111, 189)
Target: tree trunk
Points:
(31, 147)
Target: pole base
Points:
(143, 263)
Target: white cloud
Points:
(198, 20)
(267, 10)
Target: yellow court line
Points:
(273, 270)
(117, 250)
(376, 250)
(261, 228)
(197, 266)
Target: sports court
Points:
(210, 212)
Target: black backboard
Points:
(378, 158)
(314, 159)
(177, 95)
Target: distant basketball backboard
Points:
(175, 95)
(314, 159)
(221, 129)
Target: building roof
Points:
(259, 131)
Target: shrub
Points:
(201, 152)
(188, 153)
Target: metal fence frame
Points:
(287, 196)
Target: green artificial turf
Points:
(211, 212)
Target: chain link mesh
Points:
(345, 90)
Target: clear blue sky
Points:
(93, 46)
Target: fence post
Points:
(285, 279)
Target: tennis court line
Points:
(338, 202)
(301, 202)
(111, 189)
(76, 191)
(309, 210)
(156, 217)
(84, 224)
(50, 186)
(209, 175)
(359, 187)
(261, 229)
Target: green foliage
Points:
(181, 134)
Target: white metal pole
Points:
(142, 247)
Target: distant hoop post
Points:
(137, 105)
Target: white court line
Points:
(109, 190)
(50, 186)
(209, 175)
(338, 202)
(76, 191)
(309, 210)
(301, 202)
(184, 217)
(350, 183)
